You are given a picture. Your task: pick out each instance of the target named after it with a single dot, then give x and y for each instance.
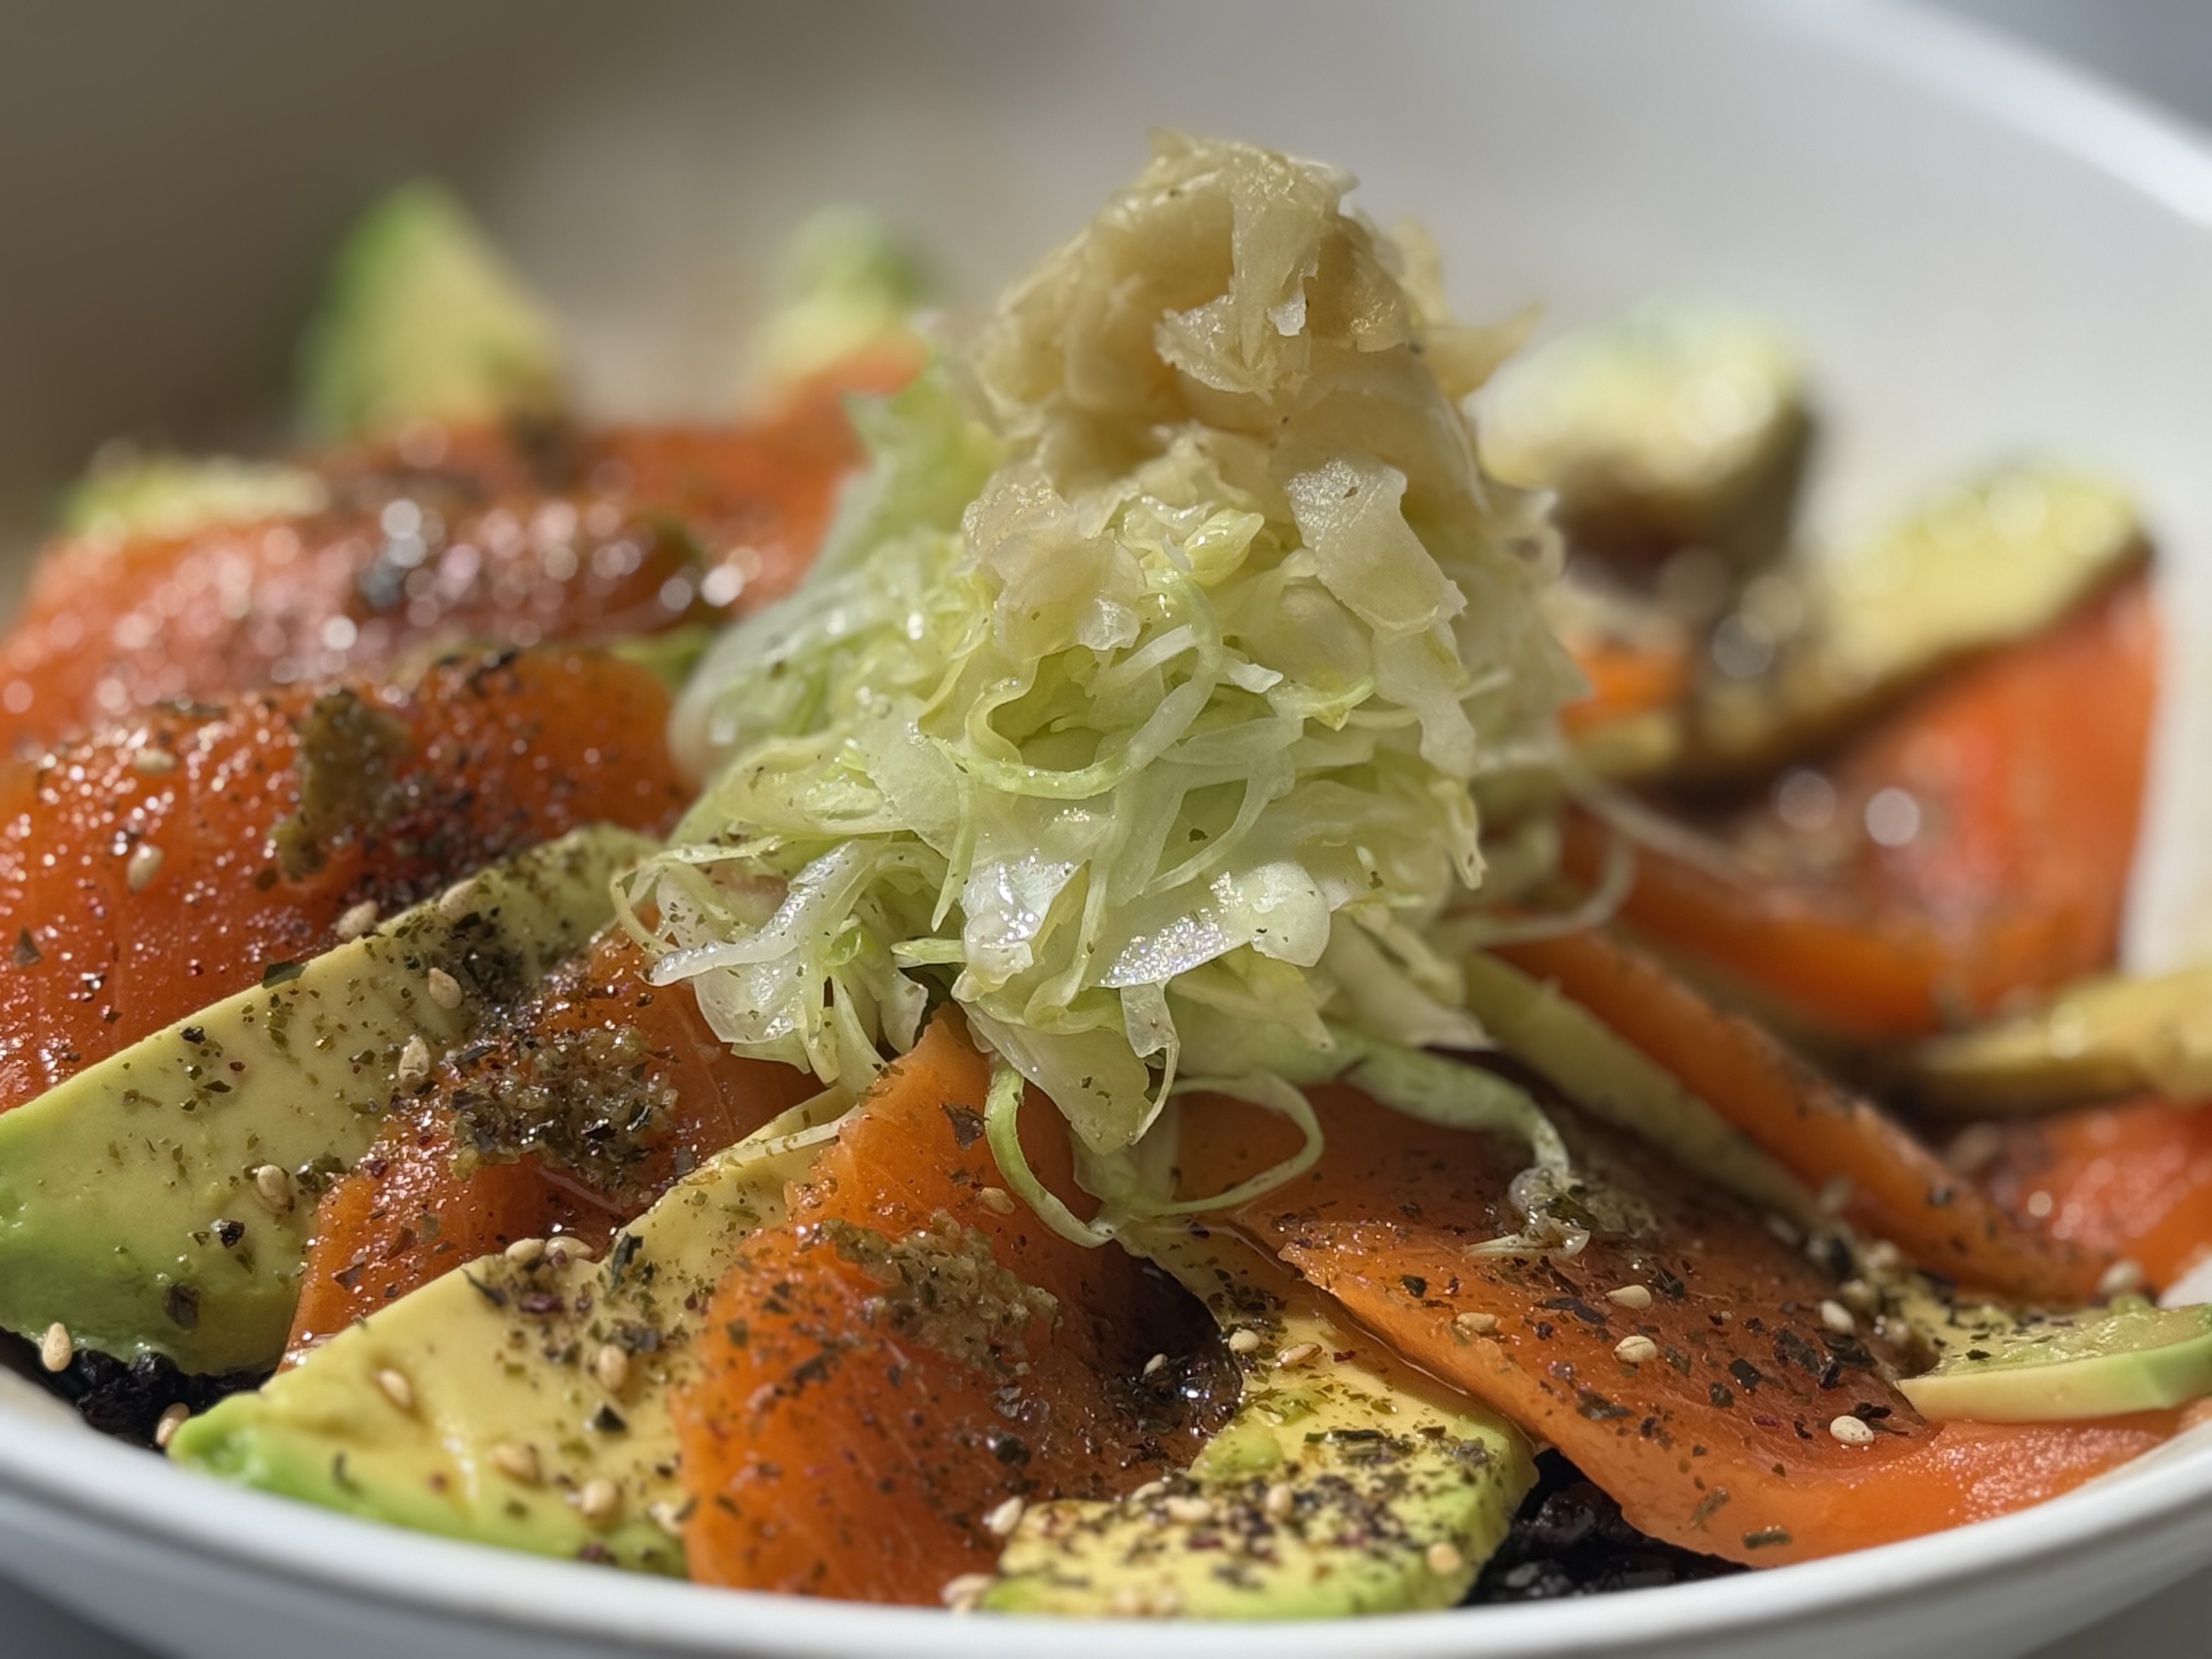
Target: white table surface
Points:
(2163, 50)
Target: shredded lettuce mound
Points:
(1170, 676)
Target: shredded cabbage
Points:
(1153, 689)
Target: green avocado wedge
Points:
(1346, 1483)
(423, 319)
(514, 1426)
(2131, 1357)
(152, 1202)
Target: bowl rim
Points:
(80, 1475)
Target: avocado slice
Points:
(515, 1430)
(1978, 565)
(422, 319)
(125, 493)
(850, 283)
(130, 1207)
(2097, 1039)
(1346, 1483)
(1671, 426)
(2131, 1357)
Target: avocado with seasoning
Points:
(159, 1201)
(522, 1400)
(423, 320)
(1346, 1483)
(2101, 1362)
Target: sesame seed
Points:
(1882, 1257)
(1281, 1500)
(1636, 1350)
(1630, 1296)
(1189, 1511)
(1298, 1353)
(610, 1365)
(153, 762)
(1851, 1431)
(414, 1062)
(517, 1461)
(458, 900)
(962, 1594)
(1837, 1318)
(1155, 1365)
(1245, 1342)
(561, 1251)
(1002, 1521)
(598, 1500)
(1835, 1196)
(1443, 1558)
(356, 919)
(1859, 1296)
(273, 1187)
(172, 1418)
(1475, 1324)
(524, 1251)
(56, 1350)
(395, 1387)
(145, 865)
(445, 989)
(1149, 1490)
(668, 1515)
(997, 1199)
(2122, 1277)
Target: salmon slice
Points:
(1893, 1186)
(1679, 1358)
(1973, 844)
(2133, 1178)
(567, 1119)
(478, 538)
(150, 870)
(914, 1349)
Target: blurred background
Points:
(153, 288)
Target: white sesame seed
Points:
(1882, 1257)
(1851, 1431)
(356, 919)
(1281, 1500)
(273, 1187)
(1837, 1318)
(1475, 1324)
(414, 1062)
(517, 1461)
(1630, 1296)
(395, 1387)
(1002, 1521)
(1636, 1350)
(598, 1500)
(1835, 1196)
(153, 762)
(1576, 1241)
(1245, 1342)
(962, 1594)
(1188, 1511)
(2122, 1277)
(610, 1365)
(524, 1251)
(1149, 1490)
(561, 1251)
(997, 1199)
(458, 900)
(1155, 1365)
(668, 1515)
(1443, 1558)
(172, 1418)
(445, 989)
(1298, 1353)
(145, 864)
(56, 1350)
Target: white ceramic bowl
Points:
(1981, 255)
